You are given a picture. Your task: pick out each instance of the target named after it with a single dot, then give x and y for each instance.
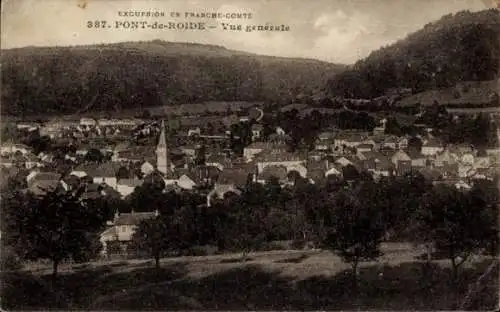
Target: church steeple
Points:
(161, 151)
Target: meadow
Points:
(278, 280)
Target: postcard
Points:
(249, 155)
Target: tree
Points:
(392, 127)
(94, 155)
(415, 145)
(122, 173)
(57, 226)
(356, 229)
(201, 155)
(39, 143)
(350, 173)
(244, 226)
(149, 196)
(151, 236)
(456, 224)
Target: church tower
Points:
(161, 152)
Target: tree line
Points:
(40, 81)
(351, 216)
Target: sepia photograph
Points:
(250, 155)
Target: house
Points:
(220, 191)
(323, 145)
(92, 191)
(70, 182)
(206, 174)
(333, 169)
(467, 159)
(256, 148)
(187, 182)
(147, 168)
(279, 131)
(6, 162)
(482, 162)
(299, 168)
(218, 161)
(494, 151)
(122, 228)
(343, 161)
(367, 155)
(276, 171)
(193, 132)
(257, 131)
(230, 120)
(237, 177)
(383, 166)
(445, 157)
(402, 143)
(106, 173)
(316, 155)
(40, 183)
(465, 170)
(31, 161)
(364, 147)
(354, 140)
(269, 158)
(431, 147)
(127, 186)
(278, 139)
(418, 160)
(88, 122)
(399, 157)
(184, 179)
(389, 142)
(326, 136)
(380, 130)
(10, 148)
(82, 152)
(461, 185)
(316, 170)
(190, 150)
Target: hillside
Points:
(147, 74)
(466, 94)
(459, 47)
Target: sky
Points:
(339, 31)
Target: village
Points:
(189, 159)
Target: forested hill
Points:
(144, 74)
(459, 47)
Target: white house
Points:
(123, 227)
(9, 148)
(147, 168)
(127, 186)
(431, 148)
(88, 122)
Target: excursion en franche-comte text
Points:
(227, 21)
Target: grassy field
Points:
(306, 280)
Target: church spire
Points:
(161, 151)
(162, 142)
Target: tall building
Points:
(162, 152)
